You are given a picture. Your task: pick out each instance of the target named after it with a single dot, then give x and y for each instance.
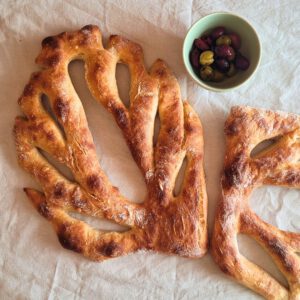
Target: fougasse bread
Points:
(245, 170)
(164, 222)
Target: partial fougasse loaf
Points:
(244, 171)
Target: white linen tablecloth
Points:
(33, 265)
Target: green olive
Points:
(223, 40)
(232, 70)
(206, 73)
(218, 76)
(206, 58)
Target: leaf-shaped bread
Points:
(163, 222)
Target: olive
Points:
(206, 73)
(241, 62)
(225, 51)
(194, 58)
(223, 40)
(206, 58)
(231, 54)
(218, 76)
(217, 32)
(232, 70)
(207, 39)
(222, 65)
(201, 44)
(235, 40)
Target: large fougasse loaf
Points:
(163, 222)
(244, 171)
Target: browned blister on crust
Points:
(163, 222)
(245, 170)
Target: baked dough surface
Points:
(163, 222)
(244, 171)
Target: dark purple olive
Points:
(225, 51)
(217, 32)
(207, 39)
(231, 55)
(222, 65)
(232, 70)
(241, 62)
(201, 44)
(194, 58)
(235, 40)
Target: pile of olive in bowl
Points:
(244, 43)
(216, 55)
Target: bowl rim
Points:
(202, 83)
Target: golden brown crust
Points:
(243, 171)
(175, 225)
